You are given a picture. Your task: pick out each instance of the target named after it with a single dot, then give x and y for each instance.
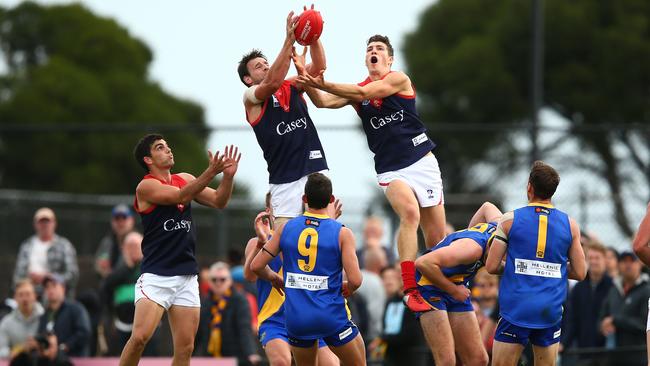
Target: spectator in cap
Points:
(66, 319)
(625, 309)
(46, 253)
(109, 251)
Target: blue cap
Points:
(627, 254)
(237, 274)
(121, 210)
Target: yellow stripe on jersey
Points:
(272, 304)
(458, 279)
(547, 205)
(541, 236)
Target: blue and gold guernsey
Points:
(482, 234)
(287, 136)
(534, 283)
(394, 131)
(311, 253)
(270, 304)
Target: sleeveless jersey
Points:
(482, 234)
(287, 136)
(270, 303)
(394, 131)
(169, 237)
(311, 257)
(534, 283)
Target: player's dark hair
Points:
(143, 148)
(242, 69)
(544, 180)
(382, 39)
(318, 190)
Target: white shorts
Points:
(423, 177)
(169, 290)
(647, 326)
(286, 198)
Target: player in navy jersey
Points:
(641, 245)
(169, 268)
(406, 168)
(277, 112)
(272, 331)
(443, 274)
(542, 249)
(315, 251)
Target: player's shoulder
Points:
(398, 76)
(187, 177)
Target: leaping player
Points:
(406, 168)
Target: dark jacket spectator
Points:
(109, 251)
(225, 324)
(625, 309)
(67, 319)
(46, 253)
(582, 326)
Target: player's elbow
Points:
(354, 282)
(249, 275)
(491, 267)
(638, 246)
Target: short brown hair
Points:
(597, 247)
(382, 39)
(544, 180)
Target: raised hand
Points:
(335, 209)
(292, 23)
(231, 157)
(299, 61)
(262, 225)
(216, 163)
(317, 81)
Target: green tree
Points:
(471, 62)
(66, 66)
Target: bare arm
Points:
(577, 265)
(318, 60)
(260, 262)
(462, 251)
(219, 198)
(494, 261)
(319, 98)
(262, 225)
(350, 261)
(152, 191)
(488, 212)
(395, 82)
(641, 242)
(278, 70)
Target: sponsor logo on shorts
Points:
(557, 334)
(306, 282)
(344, 334)
(315, 154)
(537, 268)
(512, 335)
(434, 299)
(379, 122)
(430, 193)
(417, 140)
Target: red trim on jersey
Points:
(257, 120)
(177, 181)
(384, 184)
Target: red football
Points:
(309, 28)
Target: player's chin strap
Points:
(269, 253)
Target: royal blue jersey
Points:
(534, 283)
(287, 136)
(169, 237)
(311, 255)
(461, 274)
(394, 131)
(270, 302)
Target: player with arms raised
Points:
(406, 168)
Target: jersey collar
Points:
(318, 216)
(547, 205)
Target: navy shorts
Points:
(509, 333)
(442, 301)
(270, 331)
(340, 338)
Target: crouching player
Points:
(315, 250)
(443, 274)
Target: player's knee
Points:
(446, 360)
(410, 216)
(280, 360)
(420, 263)
(139, 339)
(480, 359)
(184, 350)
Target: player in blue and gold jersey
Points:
(443, 274)
(315, 251)
(272, 331)
(542, 249)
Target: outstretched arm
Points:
(219, 198)
(278, 70)
(153, 192)
(641, 242)
(319, 98)
(395, 82)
